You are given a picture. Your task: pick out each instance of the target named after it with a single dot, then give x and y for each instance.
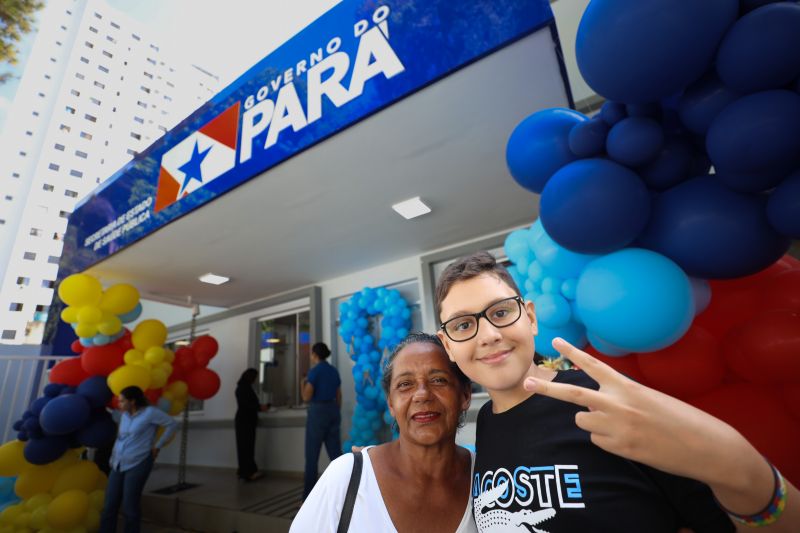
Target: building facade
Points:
(97, 90)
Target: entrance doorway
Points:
(283, 357)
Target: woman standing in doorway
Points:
(322, 388)
(247, 408)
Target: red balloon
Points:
(153, 395)
(791, 397)
(205, 348)
(732, 304)
(203, 383)
(76, 346)
(102, 360)
(690, 367)
(114, 402)
(760, 416)
(767, 349)
(782, 291)
(68, 372)
(624, 365)
(184, 360)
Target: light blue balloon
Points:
(516, 245)
(528, 285)
(558, 260)
(568, 288)
(701, 292)
(531, 296)
(635, 299)
(87, 341)
(101, 340)
(575, 312)
(571, 332)
(604, 347)
(552, 310)
(551, 285)
(131, 315)
(535, 271)
(536, 230)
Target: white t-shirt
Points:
(320, 512)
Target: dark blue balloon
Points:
(648, 110)
(23, 436)
(539, 146)
(46, 450)
(613, 112)
(65, 414)
(783, 207)
(100, 432)
(96, 391)
(587, 139)
(68, 389)
(38, 404)
(713, 232)
(17, 426)
(753, 181)
(760, 51)
(672, 165)
(701, 164)
(757, 133)
(52, 390)
(702, 102)
(749, 5)
(635, 141)
(639, 52)
(594, 206)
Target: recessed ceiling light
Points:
(273, 340)
(411, 208)
(213, 279)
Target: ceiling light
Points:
(411, 208)
(273, 340)
(213, 279)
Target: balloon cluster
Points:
(191, 366)
(371, 411)
(97, 315)
(64, 495)
(679, 264)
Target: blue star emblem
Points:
(191, 168)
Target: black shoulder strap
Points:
(352, 489)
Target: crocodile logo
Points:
(500, 520)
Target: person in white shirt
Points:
(421, 480)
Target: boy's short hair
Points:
(467, 268)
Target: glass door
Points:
(283, 357)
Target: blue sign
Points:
(355, 60)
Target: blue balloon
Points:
(99, 432)
(131, 315)
(557, 260)
(753, 181)
(539, 146)
(86, 341)
(759, 52)
(588, 139)
(46, 450)
(757, 133)
(702, 102)
(783, 207)
(95, 390)
(571, 332)
(670, 167)
(38, 404)
(604, 347)
(552, 310)
(635, 299)
(535, 271)
(551, 285)
(635, 141)
(640, 52)
(594, 206)
(612, 112)
(65, 414)
(52, 390)
(568, 288)
(101, 339)
(713, 232)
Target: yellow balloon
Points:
(167, 395)
(6, 528)
(23, 519)
(157, 378)
(97, 499)
(39, 518)
(149, 333)
(86, 329)
(133, 356)
(91, 314)
(68, 509)
(102, 481)
(110, 326)
(120, 299)
(177, 407)
(179, 389)
(128, 376)
(37, 479)
(69, 314)
(92, 522)
(143, 364)
(80, 290)
(169, 355)
(81, 476)
(40, 500)
(12, 460)
(11, 513)
(166, 368)
(154, 355)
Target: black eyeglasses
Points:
(500, 314)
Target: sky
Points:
(225, 37)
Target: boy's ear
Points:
(446, 342)
(530, 311)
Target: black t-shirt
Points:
(562, 482)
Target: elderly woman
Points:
(421, 481)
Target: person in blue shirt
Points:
(135, 451)
(322, 388)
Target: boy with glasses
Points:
(589, 450)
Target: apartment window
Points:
(141, 104)
(29, 256)
(42, 308)
(15, 306)
(28, 133)
(97, 15)
(115, 25)
(76, 173)
(94, 100)
(107, 53)
(101, 68)
(136, 37)
(47, 77)
(53, 59)
(36, 113)
(167, 98)
(89, 44)
(9, 197)
(136, 136)
(59, 147)
(69, 12)
(110, 39)
(63, 27)
(85, 60)
(53, 166)
(154, 47)
(131, 152)
(52, 259)
(63, 214)
(148, 75)
(70, 110)
(170, 84)
(23, 154)
(145, 89)
(35, 232)
(41, 95)
(81, 154)
(140, 120)
(80, 76)
(162, 128)
(58, 43)
(9, 334)
(90, 118)
(64, 127)
(15, 175)
(92, 29)
(85, 135)
(48, 283)
(23, 280)
(98, 84)
(71, 194)
(74, 92)
(151, 60)
(47, 187)
(2, 221)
